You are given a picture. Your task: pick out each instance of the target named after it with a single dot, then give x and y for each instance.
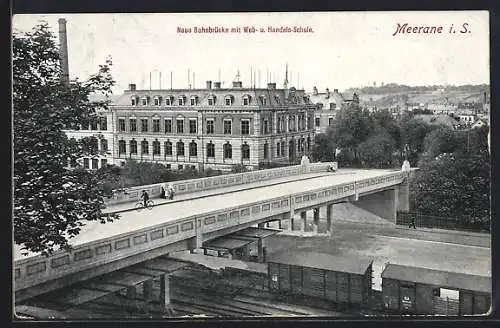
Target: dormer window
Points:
(211, 100)
(229, 100)
(157, 100)
(182, 100)
(246, 100)
(169, 101)
(194, 100)
(277, 99)
(263, 100)
(134, 100)
(306, 99)
(145, 100)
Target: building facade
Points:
(328, 104)
(101, 132)
(213, 127)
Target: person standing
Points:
(412, 223)
(163, 192)
(170, 189)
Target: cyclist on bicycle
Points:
(145, 197)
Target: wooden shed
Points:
(343, 280)
(407, 289)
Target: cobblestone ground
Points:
(436, 249)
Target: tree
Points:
(413, 133)
(324, 148)
(455, 186)
(454, 180)
(377, 151)
(351, 127)
(51, 202)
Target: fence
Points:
(431, 221)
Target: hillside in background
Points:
(391, 94)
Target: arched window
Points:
(168, 148)
(245, 151)
(134, 100)
(133, 146)
(210, 150)
(212, 100)
(278, 149)
(277, 99)
(156, 147)
(180, 148)
(228, 151)
(193, 149)
(169, 101)
(122, 147)
(144, 147)
(229, 100)
(246, 100)
(266, 150)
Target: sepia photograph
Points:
(251, 165)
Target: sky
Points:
(345, 49)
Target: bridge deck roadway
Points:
(132, 220)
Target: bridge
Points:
(205, 209)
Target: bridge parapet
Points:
(221, 181)
(38, 269)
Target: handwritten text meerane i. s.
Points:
(430, 29)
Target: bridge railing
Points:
(37, 269)
(210, 183)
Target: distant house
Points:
(432, 119)
(479, 123)
(438, 109)
(328, 103)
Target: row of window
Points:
(180, 147)
(210, 126)
(294, 123)
(99, 123)
(94, 162)
(194, 100)
(210, 148)
(318, 121)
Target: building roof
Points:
(356, 265)
(273, 97)
(439, 278)
(226, 243)
(256, 232)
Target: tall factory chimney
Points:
(63, 47)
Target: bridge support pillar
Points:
(246, 253)
(260, 250)
(147, 290)
(316, 215)
(329, 217)
(403, 197)
(303, 219)
(164, 291)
